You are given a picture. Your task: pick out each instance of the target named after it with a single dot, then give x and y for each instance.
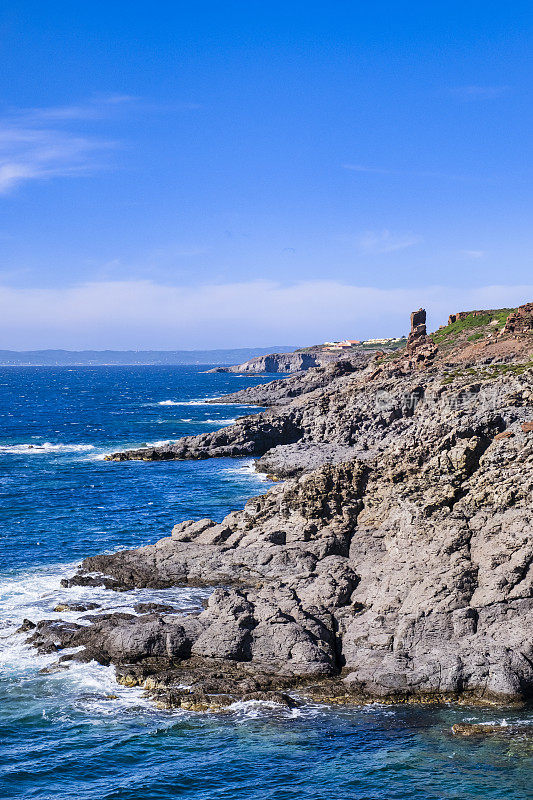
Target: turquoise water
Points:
(76, 733)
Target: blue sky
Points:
(179, 175)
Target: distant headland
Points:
(95, 358)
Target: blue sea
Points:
(78, 734)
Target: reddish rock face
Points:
(418, 323)
(420, 347)
(504, 435)
(527, 427)
(521, 320)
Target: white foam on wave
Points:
(218, 421)
(206, 401)
(502, 723)
(248, 469)
(158, 443)
(203, 402)
(164, 442)
(142, 445)
(97, 456)
(86, 690)
(45, 447)
(92, 686)
(34, 593)
(90, 690)
(81, 688)
(244, 710)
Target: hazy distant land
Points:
(89, 358)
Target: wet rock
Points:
(89, 580)
(120, 638)
(201, 701)
(75, 607)
(151, 608)
(53, 669)
(27, 625)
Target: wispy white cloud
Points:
(41, 143)
(144, 314)
(36, 154)
(475, 255)
(362, 168)
(97, 107)
(475, 92)
(382, 242)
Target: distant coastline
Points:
(111, 358)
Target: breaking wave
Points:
(45, 447)
(248, 469)
(203, 402)
(218, 421)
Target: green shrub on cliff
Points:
(495, 319)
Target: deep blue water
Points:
(76, 733)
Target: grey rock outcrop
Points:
(395, 561)
(283, 391)
(282, 362)
(397, 564)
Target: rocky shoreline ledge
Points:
(394, 563)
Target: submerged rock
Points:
(151, 608)
(27, 625)
(482, 730)
(75, 607)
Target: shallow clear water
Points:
(77, 733)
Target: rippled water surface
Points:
(78, 734)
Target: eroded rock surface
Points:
(395, 562)
(282, 391)
(281, 362)
(520, 321)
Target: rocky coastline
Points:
(280, 362)
(300, 360)
(394, 561)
